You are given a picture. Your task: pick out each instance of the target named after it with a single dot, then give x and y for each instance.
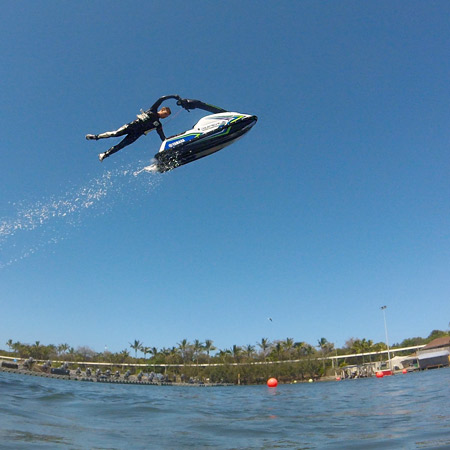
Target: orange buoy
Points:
(272, 382)
(404, 371)
(380, 374)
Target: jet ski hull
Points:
(193, 145)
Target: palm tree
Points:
(277, 350)
(183, 346)
(209, 347)
(298, 346)
(62, 348)
(249, 350)
(19, 348)
(236, 351)
(307, 349)
(36, 350)
(172, 354)
(10, 344)
(146, 351)
(378, 347)
(124, 355)
(137, 345)
(197, 347)
(288, 344)
(368, 347)
(264, 345)
(364, 346)
(223, 355)
(322, 344)
(119, 358)
(359, 346)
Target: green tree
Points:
(184, 347)
(62, 348)
(10, 344)
(322, 344)
(288, 345)
(265, 346)
(298, 347)
(124, 355)
(85, 353)
(249, 351)
(146, 351)
(136, 346)
(412, 342)
(154, 352)
(277, 351)
(236, 351)
(307, 350)
(209, 347)
(197, 348)
(71, 353)
(172, 355)
(436, 334)
(224, 355)
(36, 350)
(361, 346)
(325, 346)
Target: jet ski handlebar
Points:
(162, 99)
(189, 104)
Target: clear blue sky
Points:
(336, 203)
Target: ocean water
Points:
(398, 412)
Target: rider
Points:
(145, 122)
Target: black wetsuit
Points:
(146, 122)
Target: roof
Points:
(434, 354)
(439, 342)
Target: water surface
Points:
(403, 411)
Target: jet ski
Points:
(209, 135)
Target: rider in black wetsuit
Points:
(145, 122)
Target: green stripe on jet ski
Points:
(225, 132)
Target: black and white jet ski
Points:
(209, 135)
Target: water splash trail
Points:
(38, 225)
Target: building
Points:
(435, 354)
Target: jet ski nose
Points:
(251, 120)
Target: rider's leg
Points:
(129, 139)
(120, 132)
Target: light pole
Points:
(383, 308)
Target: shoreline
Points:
(133, 379)
(142, 380)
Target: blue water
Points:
(403, 411)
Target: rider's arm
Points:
(197, 104)
(158, 102)
(160, 131)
